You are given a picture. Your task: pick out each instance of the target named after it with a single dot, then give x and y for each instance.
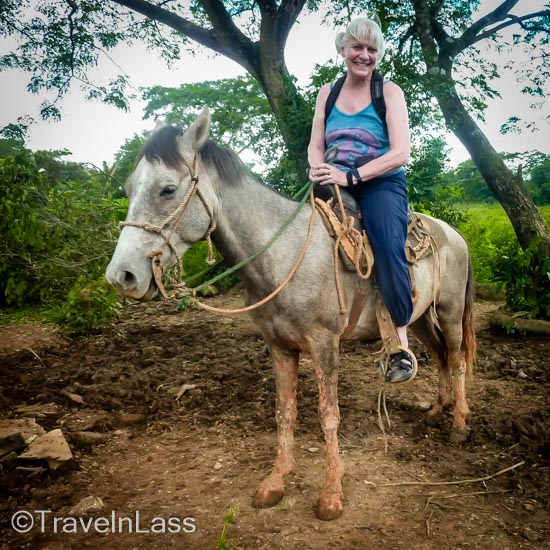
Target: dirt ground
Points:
(198, 455)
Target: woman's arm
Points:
(316, 147)
(321, 172)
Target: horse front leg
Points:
(272, 488)
(331, 499)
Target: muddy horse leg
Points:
(271, 489)
(457, 368)
(430, 335)
(450, 317)
(325, 360)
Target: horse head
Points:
(167, 212)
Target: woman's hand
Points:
(327, 174)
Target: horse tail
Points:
(468, 322)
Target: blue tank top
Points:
(349, 137)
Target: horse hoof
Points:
(458, 437)
(266, 499)
(330, 508)
(431, 418)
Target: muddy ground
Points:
(199, 455)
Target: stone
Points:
(74, 397)
(86, 505)
(209, 290)
(51, 447)
(40, 410)
(131, 419)
(16, 434)
(86, 420)
(152, 350)
(89, 439)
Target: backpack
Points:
(376, 92)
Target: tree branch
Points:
(478, 31)
(287, 14)
(513, 20)
(241, 51)
(498, 14)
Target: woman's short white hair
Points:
(362, 28)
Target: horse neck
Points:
(249, 215)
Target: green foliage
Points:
(53, 233)
(23, 195)
(431, 190)
(242, 118)
(525, 276)
(197, 272)
(89, 305)
(489, 233)
(126, 158)
(224, 543)
(539, 179)
(475, 189)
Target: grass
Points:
(490, 235)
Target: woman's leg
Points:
(385, 216)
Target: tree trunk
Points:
(438, 51)
(506, 186)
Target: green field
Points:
(490, 235)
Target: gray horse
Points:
(305, 316)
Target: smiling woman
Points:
(354, 147)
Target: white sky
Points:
(94, 132)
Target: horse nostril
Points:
(127, 280)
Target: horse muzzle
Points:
(130, 284)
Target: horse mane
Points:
(163, 146)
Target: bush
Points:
(525, 276)
(52, 234)
(196, 271)
(89, 305)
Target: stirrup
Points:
(402, 367)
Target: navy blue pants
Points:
(384, 205)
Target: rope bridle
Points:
(176, 216)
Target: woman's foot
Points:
(402, 368)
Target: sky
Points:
(94, 132)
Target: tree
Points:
(428, 39)
(241, 115)
(539, 179)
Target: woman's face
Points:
(360, 56)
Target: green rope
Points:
(305, 190)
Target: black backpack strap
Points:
(377, 94)
(333, 96)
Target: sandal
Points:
(402, 368)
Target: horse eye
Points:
(168, 190)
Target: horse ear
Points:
(196, 135)
(158, 125)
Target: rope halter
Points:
(176, 217)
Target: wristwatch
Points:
(355, 172)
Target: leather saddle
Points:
(419, 242)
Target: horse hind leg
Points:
(451, 321)
(461, 411)
(427, 331)
(271, 490)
